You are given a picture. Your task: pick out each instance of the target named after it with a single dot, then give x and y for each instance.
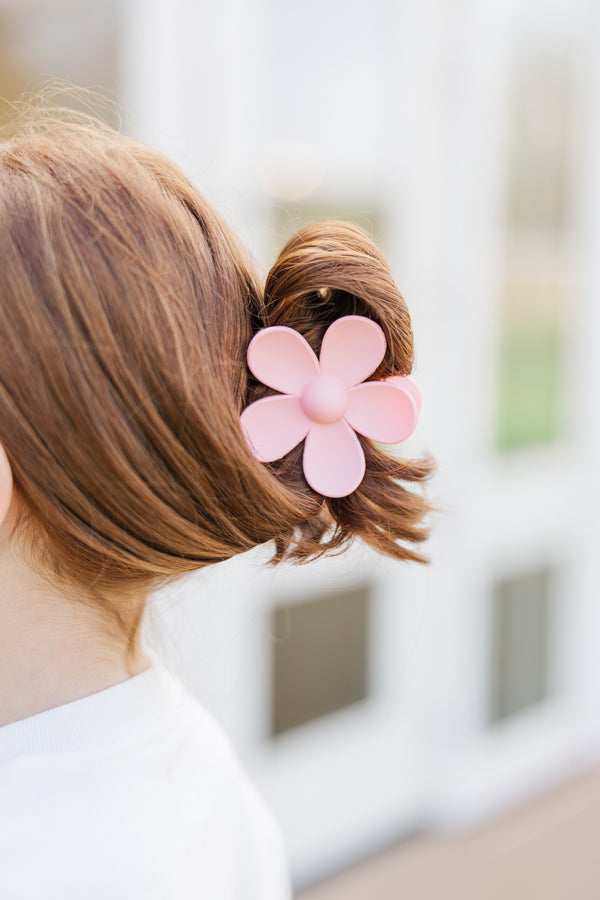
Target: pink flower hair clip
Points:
(325, 401)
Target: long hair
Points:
(126, 307)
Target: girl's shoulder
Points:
(160, 807)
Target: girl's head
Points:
(126, 308)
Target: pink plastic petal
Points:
(406, 382)
(281, 358)
(382, 411)
(273, 426)
(352, 348)
(334, 461)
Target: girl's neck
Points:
(52, 651)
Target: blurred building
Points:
(370, 699)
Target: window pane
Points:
(531, 370)
(537, 194)
(536, 276)
(319, 656)
(520, 643)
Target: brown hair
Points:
(126, 307)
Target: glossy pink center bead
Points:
(324, 400)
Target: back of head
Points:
(126, 309)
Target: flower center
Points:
(324, 400)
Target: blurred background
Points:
(419, 732)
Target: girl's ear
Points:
(6, 485)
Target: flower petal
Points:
(334, 461)
(273, 426)
(382, 411)
(282, 359)
(352, 348)
(406, 382)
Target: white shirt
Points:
(132, 793)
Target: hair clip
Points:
(325, 401)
